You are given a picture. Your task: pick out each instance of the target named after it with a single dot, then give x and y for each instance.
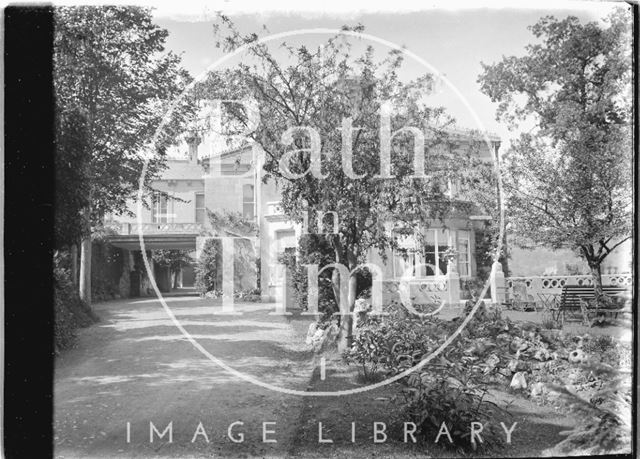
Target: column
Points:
(453, 284)
(498, 285)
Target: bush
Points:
(70, 312)
(312, 249)
(316, 249)
(600, 344)
(450, 389)
(251, 295)
(208, 274)
(106, 268)
(208, 267)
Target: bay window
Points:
(436, 242)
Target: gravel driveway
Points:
(136, 367)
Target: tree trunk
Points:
(74, 264)
(345, 340)
(596, 275)
(594, 265)
(175, 279)
(85, 270)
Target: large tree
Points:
(72, 186)
(568, 175)
(113, 84)
(300, 87)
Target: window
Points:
(464, 253)
(200, 209)
(248, 202)
(159, 209)
(436, 243)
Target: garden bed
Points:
(555, 384)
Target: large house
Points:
(177, 219)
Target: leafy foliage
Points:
(106, 271)
(209, 266)
(600, 344)
(175, 260)
(111, 69)
(70, 312)
(452, 388)
(251, 295)
(316, 249)
(568, 176)
(226, 222)
(72, 187)
(208, 274)
(318, 89)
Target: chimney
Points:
(193, 143)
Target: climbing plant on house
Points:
(208, 267)
(568, 174)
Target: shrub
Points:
(312, 249)
(70, 312)
(600, 344)
(316, 249)
(251, 295)
(245, 263)
(106, 268)
(208, 274)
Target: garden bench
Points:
(575, 301)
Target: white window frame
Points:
(157, 216)
(252, 202)
(419, 257)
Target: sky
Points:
(453, 42)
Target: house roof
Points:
(182, 169)
(455, 133)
